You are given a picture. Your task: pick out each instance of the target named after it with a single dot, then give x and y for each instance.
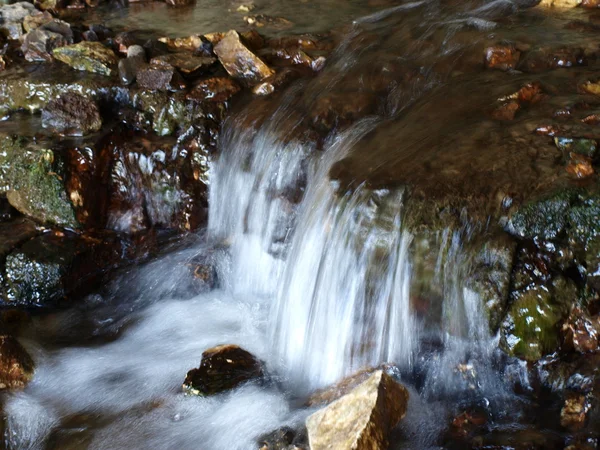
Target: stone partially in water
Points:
(89, 56)
(222, 368)
(185, 62)
(573, 413)
(239, 61)
(362, 419)
(39, 44)
(581, 332)
(531, 327)
(159, 78)
(16, 366)
(503, 57)
(72, 115)
(28, 177)
(216, 89)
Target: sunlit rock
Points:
(560, 3)
(88, 56)
(222, 368)
(239, 61)
(362, 419)
(16, 366)
(72, 114)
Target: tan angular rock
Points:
(239, 61)
(362, 419)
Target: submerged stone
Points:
(72, 114)
(531, 327)
(222, 368)
(185, 62)
(16, 366)
(88, 56)
(362, 419)
(28, 176)
(239, 61)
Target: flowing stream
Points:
(315, 279)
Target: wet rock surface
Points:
(89, 56)
(222, 368)
(72, 115)
(16, 366)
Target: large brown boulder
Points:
(222, 368)
(362, 419)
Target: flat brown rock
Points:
(239, 61)
(16, 366)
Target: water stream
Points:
(316, 279)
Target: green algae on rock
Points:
(531, 327)
(29, 178)
(89, 56)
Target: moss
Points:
(531, 327)
(587, 147)
(30, 177)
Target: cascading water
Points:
(318, 282)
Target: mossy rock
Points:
(573, 214)
(89, 56)
(30, 178)
(531, 327)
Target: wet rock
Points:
(88, 56)
(262, 20)
(573, 413)
(12, 17)
(275, 82)
(189, 43)
(16, 366)
(216, 89)
(129, 67)
(502, 57)
(239, 61)
(159, 182)
(277, 440)
(186, 63)
(543, 59)
(53, 267)
(567, 145)
(159, 77)
(580, 166)
(362, 419)
(339, 109)
(222, 368)
(39, 44)
(72, 115)
(28, 176)
(531, 327)
(180, 2)
(581, 332)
